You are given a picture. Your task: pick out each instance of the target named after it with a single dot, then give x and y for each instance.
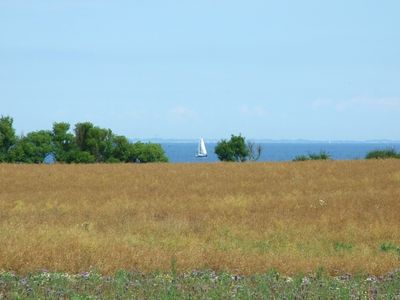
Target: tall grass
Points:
(242, 218)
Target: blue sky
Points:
(321, 70)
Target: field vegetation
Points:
(383, 154)
(197, 285)
(322, 155)
(342, 216)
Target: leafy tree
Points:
(94, 140)
(146, 153)
(63, 141)
(82, 135)
(100, 143)
(121, 148)
(89, 144)
(33, 147)
(233, 150)
(7, 137)
(224, 151)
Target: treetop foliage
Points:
(237, 150)
(87, 144)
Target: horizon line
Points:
(265, 140)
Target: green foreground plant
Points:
(197, 285)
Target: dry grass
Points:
(242, 218)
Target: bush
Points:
(301, 158)
(322, 155)
(233, 150)
(383, 154)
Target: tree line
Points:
(87, 143)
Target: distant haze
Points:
(280, 70)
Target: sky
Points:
(311, 69)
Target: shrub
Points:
(322, 155)
(301, 158)
(383, 154)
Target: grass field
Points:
(240, 218)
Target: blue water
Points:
(185, 152)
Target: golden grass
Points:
(244, 218)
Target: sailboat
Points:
(201, 150)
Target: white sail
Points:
(201, 151)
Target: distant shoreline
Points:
(213, 140)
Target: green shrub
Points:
(301, 158)
(322, 155)
(383, 154)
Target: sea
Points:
(184, 152)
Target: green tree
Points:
(82, 135)
(224, 151)
(100, 143)
(33, 147)
(7, 137)
(145, 153)
(94, 140)
(80, 157)
(233, 150)
(63, 141)
(89, 144)
(122, 148)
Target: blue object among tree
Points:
(50, 158)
